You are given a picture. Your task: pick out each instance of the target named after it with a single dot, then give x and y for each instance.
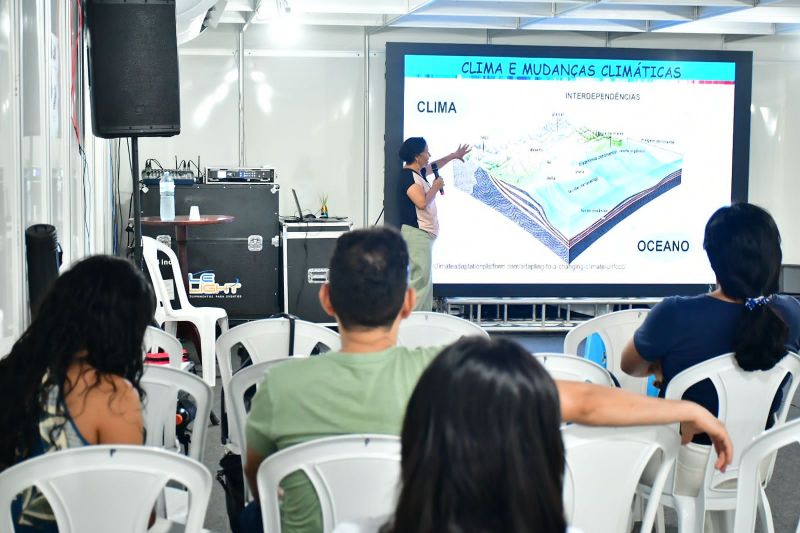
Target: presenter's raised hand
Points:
(461, 151)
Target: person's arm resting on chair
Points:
(594, 405)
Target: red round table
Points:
(182, 224)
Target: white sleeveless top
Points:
(427, 219)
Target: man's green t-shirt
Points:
(332, 394)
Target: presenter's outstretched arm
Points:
(461, 151)
(594, 405)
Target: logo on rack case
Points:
(205, 283)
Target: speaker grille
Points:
(133, 68)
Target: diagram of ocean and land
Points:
(568, 185)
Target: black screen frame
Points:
(393, 138)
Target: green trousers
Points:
(420, 253)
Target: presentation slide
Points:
(582, 170)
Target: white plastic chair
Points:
(356, 478)
(574, 368)
(615, 329)
(423, 328)
(155, 339)
(205, 319)
(266, 340)
(749, 489)
(604, 466)
(161, 386)
(97, 489)
(745, 399)
(237, 414)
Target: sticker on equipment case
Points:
(318, 275)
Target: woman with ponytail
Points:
(72, 379)
(743, 315)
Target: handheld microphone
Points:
(435, 169)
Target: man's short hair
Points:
(369, 277)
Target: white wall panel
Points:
(10, 207)
(377, 126)
(209, 117)
(304, 116)
(774, 157)
(57, 75)
(33, 89)
(38, 151)
(276, 37)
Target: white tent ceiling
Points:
(727, 17)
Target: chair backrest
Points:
(604, 466)
(161, 386)
(574, 368)
(106, 488)
(250, 376)
(614, 329)
(749, 483)
(269, 339)
(423, 328)
(155, 338)
(150, 251)
(745, 399)
(356, 478)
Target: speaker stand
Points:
(137, 208)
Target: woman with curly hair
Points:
(72, 378)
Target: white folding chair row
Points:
(356, 478)
(266, 340)
(614, 329)
(574, 368)
(96, 489)
(423, 328)
(745, 399)
(155, 339)
(205, 319)
(604, 467)
(162, 386)
(750, 490)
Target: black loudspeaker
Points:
(41, 246)
(133, 68)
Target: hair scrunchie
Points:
(752, 303)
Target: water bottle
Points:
(167, 188)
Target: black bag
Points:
(232, 480)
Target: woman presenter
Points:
(419, 224)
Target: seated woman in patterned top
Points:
(72, 379)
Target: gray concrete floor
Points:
(782, 490)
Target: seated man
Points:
(365, 387)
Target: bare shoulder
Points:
(123, 423)
(106, 407)
(113, 391)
